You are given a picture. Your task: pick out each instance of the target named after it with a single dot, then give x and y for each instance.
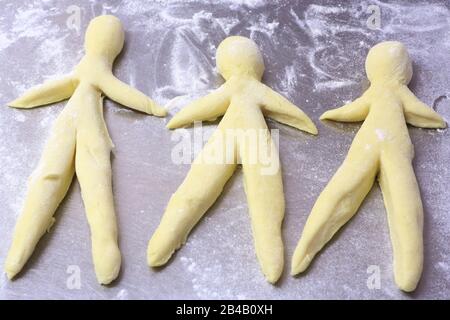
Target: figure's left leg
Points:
(264, 189)
(93, 169)
(405, 216)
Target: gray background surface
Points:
(314, 55)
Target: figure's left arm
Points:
(280, 109)
(418, 113)
(128, 96)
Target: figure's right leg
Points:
(337, 203)
(405, 217)
(93, 168)
(265, 197)
(47, 187)
(199, 190)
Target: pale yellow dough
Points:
(243, 101)
(381, 147)
(79, 143)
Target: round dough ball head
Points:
(239, 56)
(389, 62)
(104, 36)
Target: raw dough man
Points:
(243, 101)
(79, 143)
(382, 147)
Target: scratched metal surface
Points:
(314, 55)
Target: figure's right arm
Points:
(49, 92)
(128, 96)
(207, 108)
(351, 112)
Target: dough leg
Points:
(199, 190)
(94, 174)
(266, 206)
(337, 203)
(405, 216)
(47, 187)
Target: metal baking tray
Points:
(314, 54)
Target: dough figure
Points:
(79, 142)
(243, 101)
(381, 147)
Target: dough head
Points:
(389, 61)
(239, 56)
(104, 36)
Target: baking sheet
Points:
(314, 55)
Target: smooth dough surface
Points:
(382, 148)
(243, 101)
(80, 144)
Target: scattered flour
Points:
(252, 4)
(381, 135)
(227, 24)
(122, 294)
(20, 117)
(415, 17)
(263, 26)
